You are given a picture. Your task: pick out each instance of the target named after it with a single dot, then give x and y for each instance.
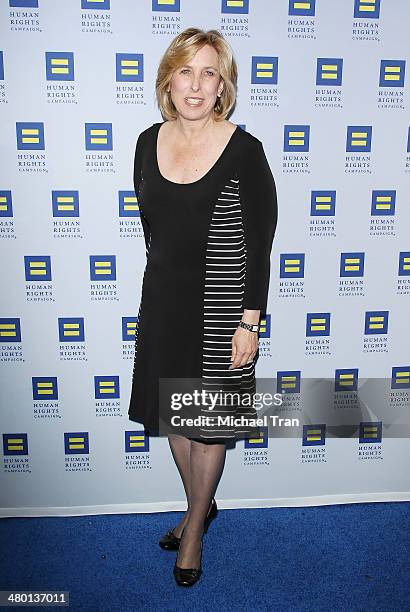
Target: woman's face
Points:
(194, 87)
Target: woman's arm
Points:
(137, 182)
(259, 212)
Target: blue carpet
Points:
(341, 557)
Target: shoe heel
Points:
(211, 516)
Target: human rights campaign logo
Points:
(260, 442)
(129, 328)
(1, 66)
(288, 381)
(359, 138)
(65, 203)
(376, 322)
(307, 7)
(96, 4)
(392, 73)
(404, 263)
(296, 138)
(318, 324)
(71, 329)
(59, 66)
(323, 203)
(264, 70)
(265, 326)
(76, 443)
(6, 204)
(169, 6)
(370, 432)
(314, 435)
(128, 204)
(383, 202)
(346, 379)
(37, 267)
(351, 264)
(367, 9)
(400, 377)
(292, 265)
(15, 444)
(10, 329)
(107, 387)
(45, 387)
(129, 67)
(103, 267)
(30, 136)
(23, 3)
(235, 6)
(98, 136)
(136, 442)
(329, 71)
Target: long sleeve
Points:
(259, 212)
(138, 179)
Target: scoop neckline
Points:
(202, 177)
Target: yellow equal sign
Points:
(137, 440)
(323, 199)
(352, 264)
(346, 380)
(131, 203)
(329, 71)
(37, 268)
(71, 329)
(370, 432)
(30, 135)
(406, 263)
(262, 326)
(301, 5)
(313, 435)
(3, 203)
(376, 322)
(59, 65)
(131, 328)
(103, 267)
(296, 138)
(264, 70)
(15, 444)
(290, 382)
(166, 2)
(129, 67)
(65, 202)
(403, 377)
(76, 442)
(99, 136)
(318, 324)
(292, 265)
(359, 139)
(45, 388)
(107, 386)
(367, 5)
(256, 440)
(8, 330)
(381, 202)
(235, 3)
(390, 73)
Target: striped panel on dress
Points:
(223, 309)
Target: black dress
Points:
(208, 246)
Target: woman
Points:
(208, 209)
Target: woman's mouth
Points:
(194, 101)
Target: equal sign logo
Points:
(359, 138)
(370, 432)
(10, 330)
(306, 8)
(235, 6)
(59, 66)
(329, 71)
(15, 444)
(98, 136)
(71, 329)
(264, 70)
(400, 377)
(96, 4)
(23, 3)
(45, 387)
(292, 265)
(346, 379)
(129, 67)
(128, 204)
(37, 267)
(392, 73)
(65, 203)
(383, 202)
(296, 138)
(323, 203)
(288, 381)
(366, 9)
(352, 264)
(76, 443)
(107, 387)
(30, 136)
(404, 263)
(170, 6)
(103, 268)
(6, 204)
(265, 326)
(314, 435)
(136, 442)
(376, 322)
(129, 328)
(318, 324)
(261, 441)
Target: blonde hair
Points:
(180, 51)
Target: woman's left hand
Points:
(244, 347)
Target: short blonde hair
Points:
(180, 51)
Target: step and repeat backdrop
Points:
(323, 85)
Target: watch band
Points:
(250, 327)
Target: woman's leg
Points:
(206, 466)
(181, 450)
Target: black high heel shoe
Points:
(188, 576)
(171, 542)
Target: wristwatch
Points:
(251, 327)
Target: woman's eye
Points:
(210, 73)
